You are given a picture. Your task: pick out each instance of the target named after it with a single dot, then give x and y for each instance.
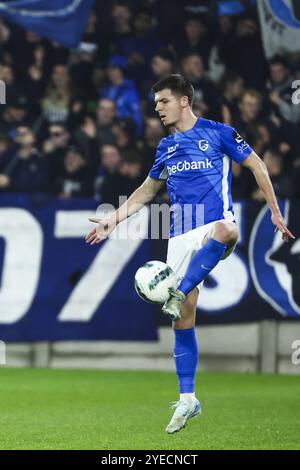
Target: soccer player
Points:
(196, 162)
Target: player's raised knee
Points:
(225, 231)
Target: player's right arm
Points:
(141, 196)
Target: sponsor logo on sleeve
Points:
(239, 139)
(173, 148)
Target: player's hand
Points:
(277, 220)
(102, 230)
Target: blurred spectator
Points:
(92, 33)
(124, 134)
(15, 114)
(55, 147)
(257, 128)
(122, 91)
(7, 75)
(141, 46)
(280, 88)
(241, 50)
(23, 168)
(35, 78)
(153, 134)
(57, 99)
(121, 16)
(249, 110)
(131, 167)
(205, 90)
(107, 180)
(85, 137)
(195, 39)
(56, 54)
(120, 175)
(94, 133)
(105, 117)
(242, 182)
(282, 184)
(248, 53)
(20, 50)
(232, 88)
(162, 63)
(98, 78)
(81, 70)
(110, 158)
(130, 172)
(260, 138)
(75, 179)
(170, 14)
(82, 61)
(226, 39)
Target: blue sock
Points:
(201, 264)
(186, 359)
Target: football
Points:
(155, 281)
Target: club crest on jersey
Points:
(203, 145)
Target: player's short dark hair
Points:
(178, 84)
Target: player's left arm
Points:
(259, 169)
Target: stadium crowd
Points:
(82, 123)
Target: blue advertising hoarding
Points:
(53, 286)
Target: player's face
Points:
(168, 107)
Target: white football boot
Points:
(172, 306)
(184, 410)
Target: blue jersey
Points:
(197, 166)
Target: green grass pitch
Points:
(91, 409)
